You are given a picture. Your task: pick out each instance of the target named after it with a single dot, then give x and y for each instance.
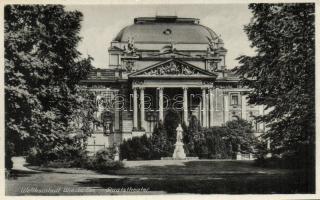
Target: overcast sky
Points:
(101, 23)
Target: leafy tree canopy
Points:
(42, 72)
(282, 73)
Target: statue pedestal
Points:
(239, 156)
(179, 153)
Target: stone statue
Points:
(212, 45)
(179, 153)
(179, 133)
(213, 66)
(131, 49)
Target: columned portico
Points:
(170, 74)
(207, 106)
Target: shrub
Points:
(171, 122)
(240, 132)
(52, 159)
(60, 164)
(194, 139)
(103, 161)
(89, 162)
(34, 157)
(161, 145)
(68, 155)
(216, 143)
(137, 148)
(105, 166)
(210, 143)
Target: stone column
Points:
(204, 114)
(135, 109)
(244, 106)
(226, 106)
(211, 94)
(160, 104)
(208, 110)
(185, 105)
(142, 109)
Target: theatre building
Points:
(161, 66)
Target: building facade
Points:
(161, 66)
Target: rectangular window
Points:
(98, 74)
(114, 59)
(234, 99)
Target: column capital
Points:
(207, 82)
(204, 88)
(138, 82)
(185, 88)
(141, 88)
(159, 88)
(134, 87)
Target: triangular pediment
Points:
(173, 68)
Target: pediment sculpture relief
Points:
(172, 68)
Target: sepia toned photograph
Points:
(159, 99)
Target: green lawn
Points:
(158, 177)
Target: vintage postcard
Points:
(142, 99)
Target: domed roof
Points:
(166, 29)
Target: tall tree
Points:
(42, 72)
(282, 73)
